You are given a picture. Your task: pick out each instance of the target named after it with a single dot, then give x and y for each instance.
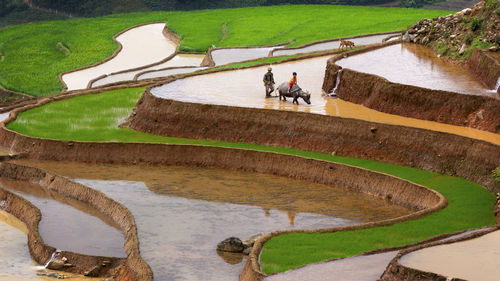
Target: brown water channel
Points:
(416, 65)
(69, 224)
(182, 212)
(244, 88)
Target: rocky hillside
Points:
(457, 34)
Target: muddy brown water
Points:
(475, 259)
(183, 212)
(15, 257)
(244, 88)
(69, 224)
(416, 65)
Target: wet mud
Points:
(475, 259)
(219, 204)
(416, 65)
(69, 224)
(134, 53)
(244, 88)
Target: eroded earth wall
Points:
(411, 101)
(428, 150)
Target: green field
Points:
(31, 59)
(96, 117)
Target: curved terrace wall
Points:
(429, 150)
(411, 101)
(132, 268)
(399, 191)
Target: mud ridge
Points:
(378, 93)
(485, 66)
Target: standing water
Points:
(65, 222)
(182, 213)
(244, 88)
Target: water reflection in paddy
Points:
(244, 88)
(182, 213)
(15, 257)
(414, 64)
(65, 222)
(329, 45)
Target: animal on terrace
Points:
(346, 43)
(294, 93)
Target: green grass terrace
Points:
(95, 117)
(32, 56)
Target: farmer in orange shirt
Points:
(293, 81)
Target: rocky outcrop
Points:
(455, 34)
(232, 244)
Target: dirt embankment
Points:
(485, 66)
(411, 101)
(132, 268)
(428, 150)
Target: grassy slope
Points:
(95, 118)
(32, 61)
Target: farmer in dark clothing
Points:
(269, 82)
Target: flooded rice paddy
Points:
(4, 116)
(230, 55)
(329, 45)
(17, 264)
(244, 88)
(179, 60)
(182, 213)
(167, 72)
(416, 65)
(142, 46)
(69, 224)
(475, 259)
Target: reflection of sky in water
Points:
(230, 55)
(178, 236)
(14, 253)
(4, 116)
(366, 40)
(475, 259)
(68, 228)
(415, 65)
(176, 61)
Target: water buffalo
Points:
(295, 93)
